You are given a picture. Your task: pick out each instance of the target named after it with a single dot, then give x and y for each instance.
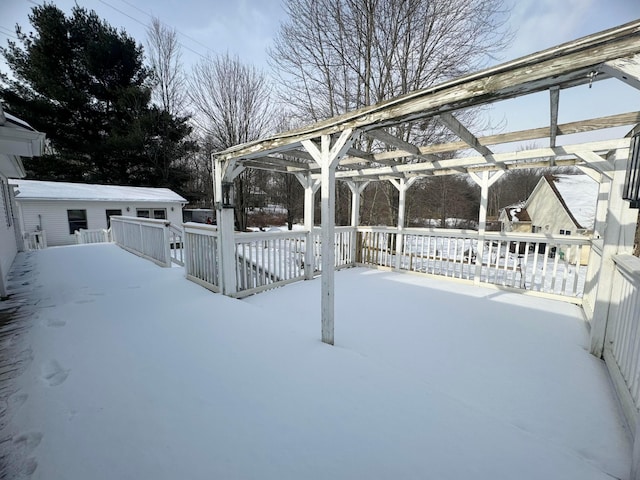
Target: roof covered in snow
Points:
(579, 193)
(39, 190)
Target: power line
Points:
(169, 26)
(147, 26)
(10, 34)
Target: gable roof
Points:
(579, 195)
(41, 190)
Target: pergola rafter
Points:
(326, 149)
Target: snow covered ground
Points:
(136, 373)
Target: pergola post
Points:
(618, 237)
(356, 190)
(327, 155)
(402, 185)
(224, 171)
(485, 180)
(310, 186)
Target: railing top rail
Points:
(501, 236)
(629, 265)
(201, 228)
(438, 232)
(338, 228)
(538, 237)
(146, 221)
(250, 236)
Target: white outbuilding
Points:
(60, 208)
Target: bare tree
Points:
(333, 56)
(166, 66)
(232, 105)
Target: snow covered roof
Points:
(517, 212)
(579, 193)
(17, 138)
(39, 190)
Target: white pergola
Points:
(325, 150)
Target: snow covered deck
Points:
(129, 371)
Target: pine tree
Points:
(85, 85)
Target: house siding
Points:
(8, 244)
(544, 204)
(51, 215)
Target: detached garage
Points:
(59, 209)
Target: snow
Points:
(41, 190)
(135, 372)
(580, 194)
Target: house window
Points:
(111, 213)
(565, 232)
(77, 220)
(157, 213)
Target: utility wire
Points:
(167, 25)
(147, 26)
(10, 33)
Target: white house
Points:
(17, 139)
(59, 208)
(558, 205)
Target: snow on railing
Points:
(622, 342)
(202, 255)
(553, 265)
(268, 259)
(145, 237)
(35, 240)
(101, 235)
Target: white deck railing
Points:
(344, 244)
(268, 259)
(176, 244)
(540, 263)
(145, 237)
(202, 255)
(547, 265)
(622, 341)
(101, 235)
(35, 240)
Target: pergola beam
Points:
(453, 124)
(554, 101)
(499, 158)
(581, 126)
(625, 69)
(565, 66)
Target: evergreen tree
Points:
(85, 85)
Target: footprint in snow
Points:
(55, 322)
(27, 467)
(27, 442)
(16, 400)
(54, 374)
(85, 301)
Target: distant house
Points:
(17, 139)
(558, 205)
(59, 209)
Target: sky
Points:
(247, 28)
